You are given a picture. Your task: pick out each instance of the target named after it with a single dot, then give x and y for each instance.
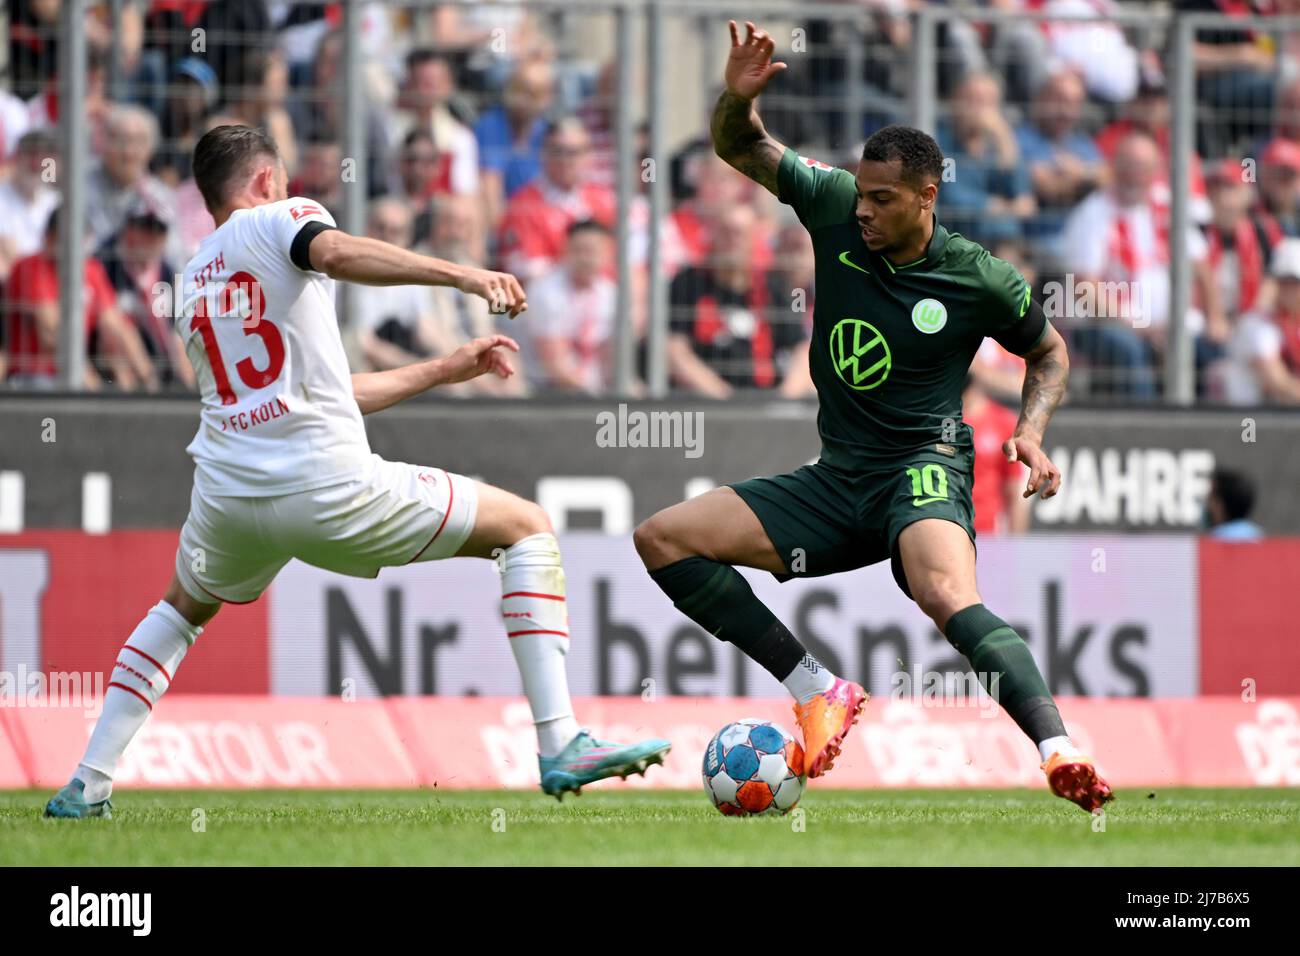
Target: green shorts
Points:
(822, 520)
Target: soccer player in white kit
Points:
(283, 468)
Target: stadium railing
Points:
(649, 69)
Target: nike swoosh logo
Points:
(844, 258)
(917, 502)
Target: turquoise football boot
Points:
(70, 804)
(585, 760)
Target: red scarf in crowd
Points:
(708, 323)
(1250, 260)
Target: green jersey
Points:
(892, 344)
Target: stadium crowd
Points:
(502, 154)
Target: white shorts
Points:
(232, 548)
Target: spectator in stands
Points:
(122, 175)
(1116, 246)
(792, 293)
(32, 325)
(1064, 163)
(456, 234)
(713, 187)
(1235, 77)
(997, 484)
(142, 279)
(1239, 243)
(1018, 50)
(1279, 187)
(27, 198)
(1262, 365)
(317, 115)
(236, 32)
(1229, 505)
(539, 215)
(419, 169)
(392, 323)
(810, 105)
(472, 33)
(422, 177)
(989, 194)
(193, 221)
(258, 99)
(599, 114)
(510, 136)
(320, 174)
(571, 315)
(33, 30)
(1093, 44)
(1148, 112)
(425, 105)
(193, 94)
(15, 120)
(721, 334)
(1286, 116)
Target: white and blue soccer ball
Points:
(753, 768)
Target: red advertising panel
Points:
(1250, 633)
(212, 741)
(1230, 742)
(13, 774)
(69, 601)
(209, 740)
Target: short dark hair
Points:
(1235, 490)
(223, 155)
(422, 55)
(419, 134)
(586, 225)
(559, 124)
(916, 151)
(37, 142)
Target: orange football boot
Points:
(825, 720)
(1076, 779)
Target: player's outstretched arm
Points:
(738, 133)
(372, 262)
(375, 391)
(1047, 369)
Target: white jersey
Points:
(279, 415)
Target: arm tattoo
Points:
(1045, 378)
(740, 139)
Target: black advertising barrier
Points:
(608, 465)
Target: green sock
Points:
(995, 650)
(717, 598)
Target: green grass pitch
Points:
(884, 827)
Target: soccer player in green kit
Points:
(902, 306)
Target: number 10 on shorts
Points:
(929, 484)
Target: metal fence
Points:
(1096, 154)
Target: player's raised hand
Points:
(479, 357)
(1044, 477)
(504, 294)
(750, 66)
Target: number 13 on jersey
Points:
(239, 299)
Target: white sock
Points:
(143, 672)
(809, 678)
(535, 612)
(1057, 745)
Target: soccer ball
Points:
(752, 768)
